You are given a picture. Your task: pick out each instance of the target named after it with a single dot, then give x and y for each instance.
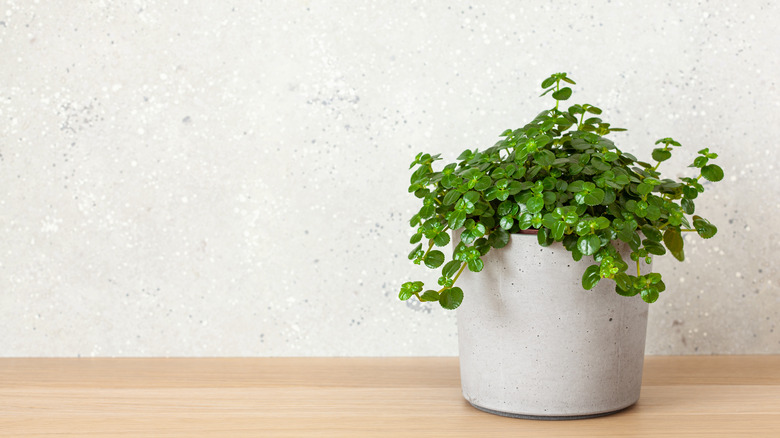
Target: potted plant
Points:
(555, 325)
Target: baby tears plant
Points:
(562, 176)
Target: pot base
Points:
(548, 417)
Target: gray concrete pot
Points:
(534, 344)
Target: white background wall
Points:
(229, 178)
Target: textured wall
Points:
(229, 178)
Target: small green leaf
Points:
(590, 277)
(456, 219)
(451, 197)
(415, 252)
(451, 268)
(654, 247)
(576, 186)
(661, 155)
(593, 110)
(653, 212)
(595, 197)
(549, 220)
(525, 221)
(673, 241)
(535, 204)
(712, 172)
(690, 192)
(644, 188)
(699, 162)
(472, 197)
(465, 155)
(558, 230)
(652, 233)
(483, 183)
(441, 239)
(588, 245)
(649, 295)
(499, 238)
(434, 259)
(562, 94)
(544, 157)
(548, 82)
(688, 206)
(623, 280)
(451, 298)
(505, 208)
(601, 223)
(410, 288)
(506, 222)
(430, 295)
(475, 265)
(704, 227)
(427, 211)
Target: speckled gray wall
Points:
(229, 178)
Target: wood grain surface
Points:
(682, 396)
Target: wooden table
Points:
(707, 396)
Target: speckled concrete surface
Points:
(229, 178)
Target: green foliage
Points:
(560, 175)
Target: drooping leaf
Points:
(649, 295)
(451, 298)
(704, 227)
(623, 281)
(688, 206)
(451, 268)
(712, 172)
(499, 238)
(654, 248)
(627, 291)
(652, 233)
(429, 295)
(558, 229)
(590, 277)
(673, 241)
(415, 252)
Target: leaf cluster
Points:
(560, 175)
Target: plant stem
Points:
(638, 272)
(462, 267)
(430, 245)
